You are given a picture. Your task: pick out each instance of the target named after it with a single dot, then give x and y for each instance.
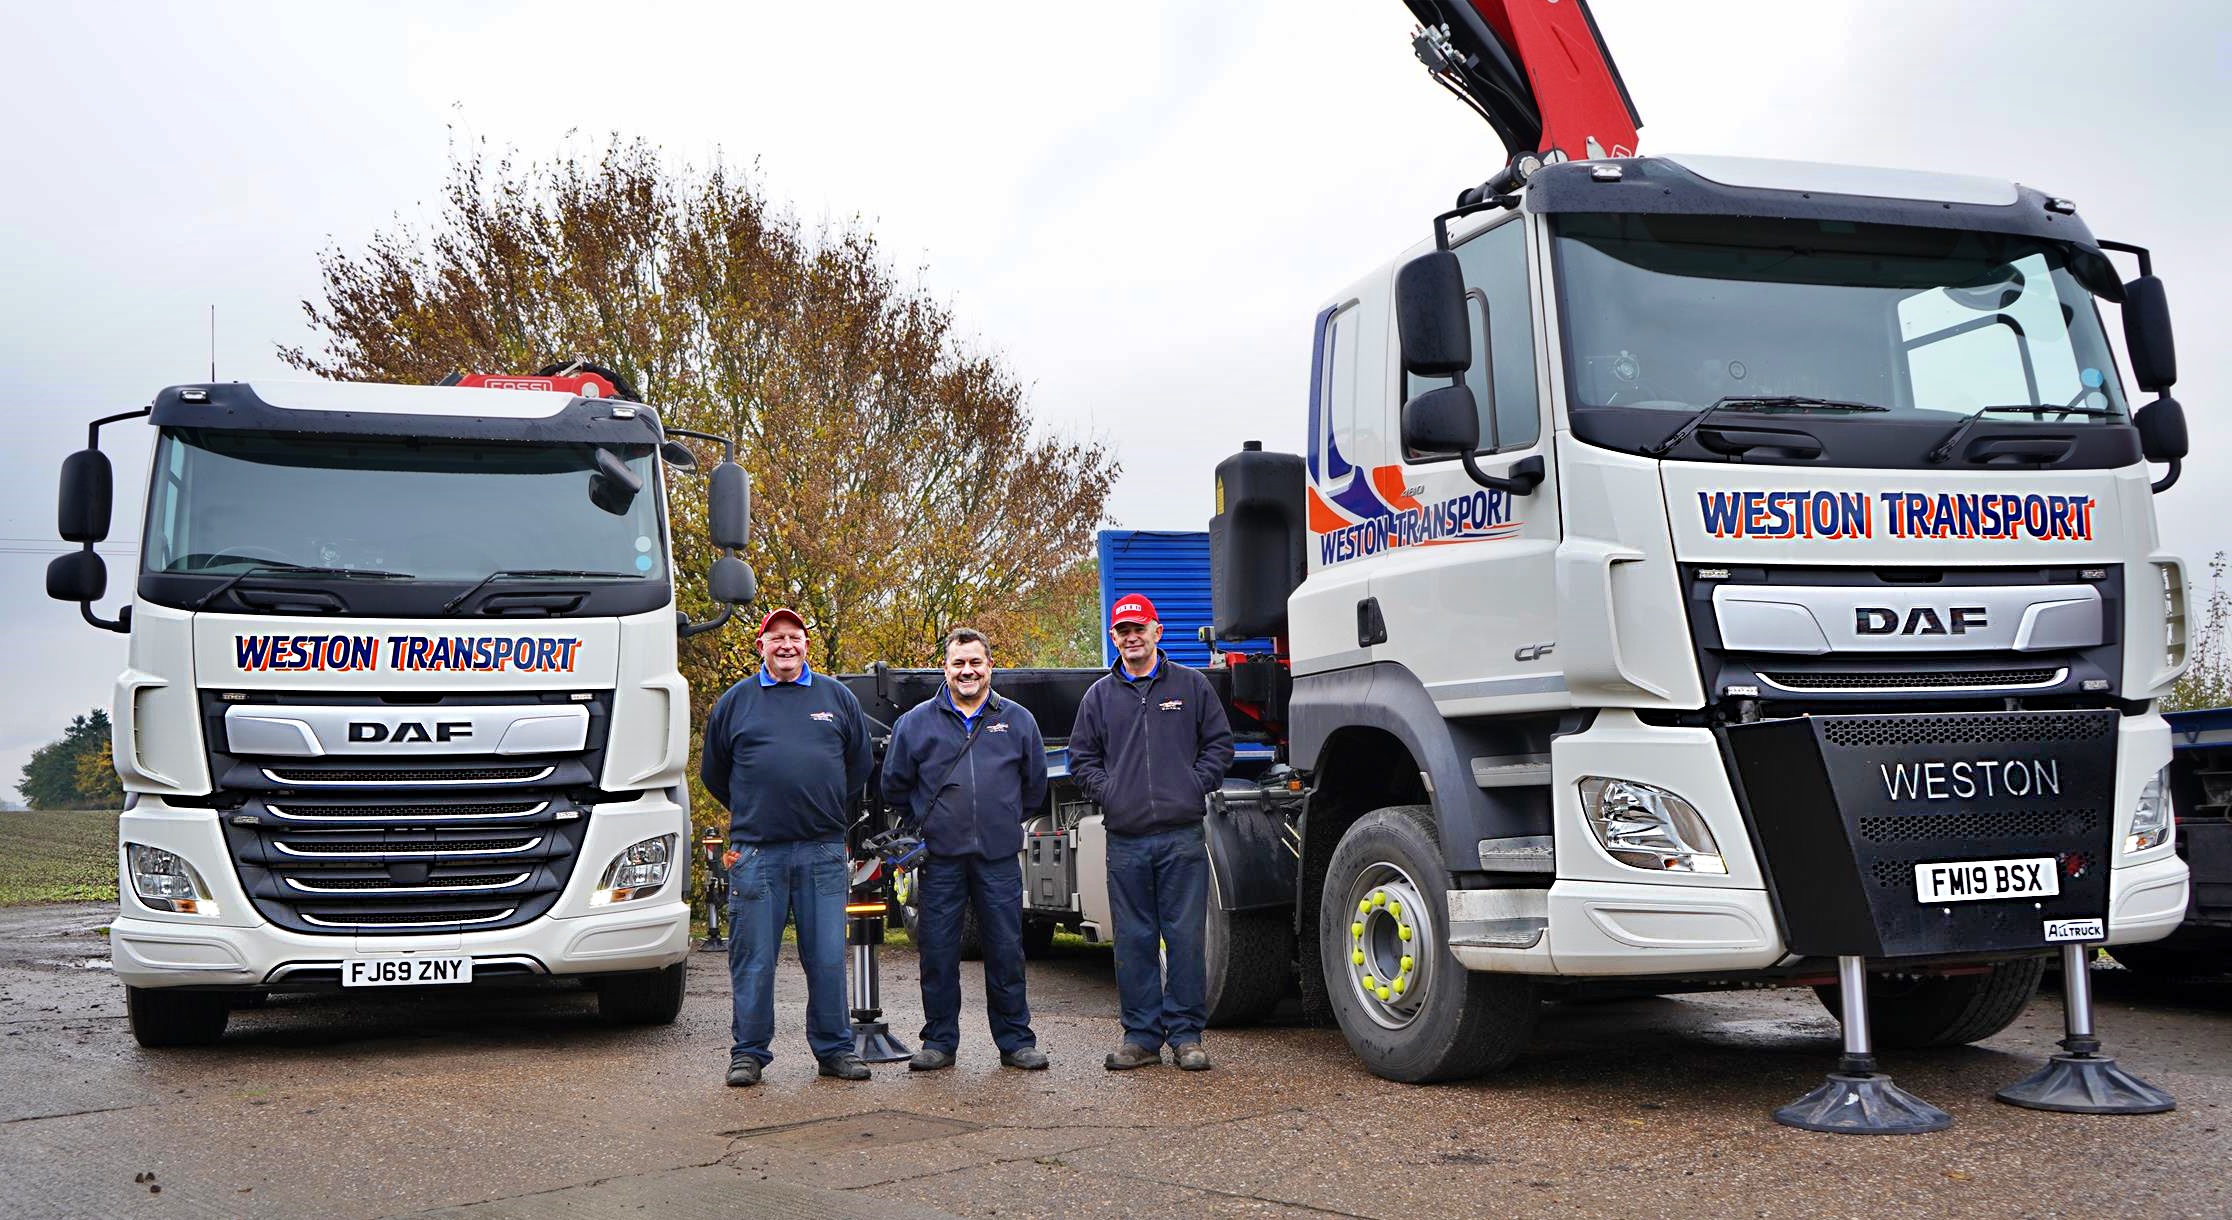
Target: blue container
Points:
(1170, 569)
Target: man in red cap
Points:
(1149, 744)
(786, 754)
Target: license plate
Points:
(405, 971)
(1977, 880)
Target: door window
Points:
(1501, 315)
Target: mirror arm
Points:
(2168, 480)
(686, 629)
(727, 444)
(1525, 476)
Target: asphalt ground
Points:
(496, 1104)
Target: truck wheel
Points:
(651, 998)
(2161, 960)
(972, 946)
(1410, 1012)
(1251, 962)
(164, 1017)
(1950, 1010)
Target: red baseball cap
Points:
(782, 612)
(1132, 608)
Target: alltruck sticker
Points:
(1955, 516)
(2061, 930)
(406, 653)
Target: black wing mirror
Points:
(2147, 337)
(728, 503)
(1442, 423)
(1430, 316)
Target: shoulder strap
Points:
(968, 741)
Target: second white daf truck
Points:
(402, 706)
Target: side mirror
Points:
(87, 494)
(2146, 319)
(1430, 316)
(80, 576)
(1442, 423)
(732, 582)
(2162, 430)
(613, 487)
(678, 455)
(728, 503)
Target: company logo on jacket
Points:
(1172, 705)
(825, 717)
(997, 727)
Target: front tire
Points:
(651, 998)
(1948, 1010)
(162, 1017)
(1409, 1011)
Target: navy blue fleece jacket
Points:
(786, 758)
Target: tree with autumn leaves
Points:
(899, 484)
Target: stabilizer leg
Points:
(2081, 1080)
(1857, 1099)
(873, 1040)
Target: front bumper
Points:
(239, 949)
(1607, 919)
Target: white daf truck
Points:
(402, 706)
(1711, 572)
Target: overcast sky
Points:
(1140, 205)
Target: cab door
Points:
(1468, 595)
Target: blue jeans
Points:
(1158, 890)
(945, 888)
(770, 885)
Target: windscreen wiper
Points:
(450, 606)
(297, 569)
(1944, 448)
(1753, 402)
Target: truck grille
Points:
(385, 776)
(1876, 680)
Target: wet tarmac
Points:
(520, 1103)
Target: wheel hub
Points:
(1390, 932)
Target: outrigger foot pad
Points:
(2078, 1082)
(874, 1043)
(1863, 1103)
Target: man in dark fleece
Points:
(785, 753)
(967, 766)
(1149, 745)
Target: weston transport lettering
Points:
(1957, 516)
(406, 653)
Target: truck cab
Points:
(1710, 569)
(402, 705)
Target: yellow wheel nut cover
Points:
(1370, 983)
(1406, 964)
(1384, 993)
(1395, 908)
(1399, 986)
(1403, 932)
(1379, 898)
(1357, 958)
(1356, 929)
(1363, 906)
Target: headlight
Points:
(164, 882)
(1647, 827)
(2152, 823)
(638, 872)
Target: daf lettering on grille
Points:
(1920, 620)
(410, 731)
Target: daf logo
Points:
(1921, 620)
(409, 731)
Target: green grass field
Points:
(60, 856)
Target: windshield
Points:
(1676, 313)
(225, 502)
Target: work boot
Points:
(930, 1059)
(844, 1065)
(1030, 1059)
(1191, 1057)
(743, 1072)
(1132, 1055)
